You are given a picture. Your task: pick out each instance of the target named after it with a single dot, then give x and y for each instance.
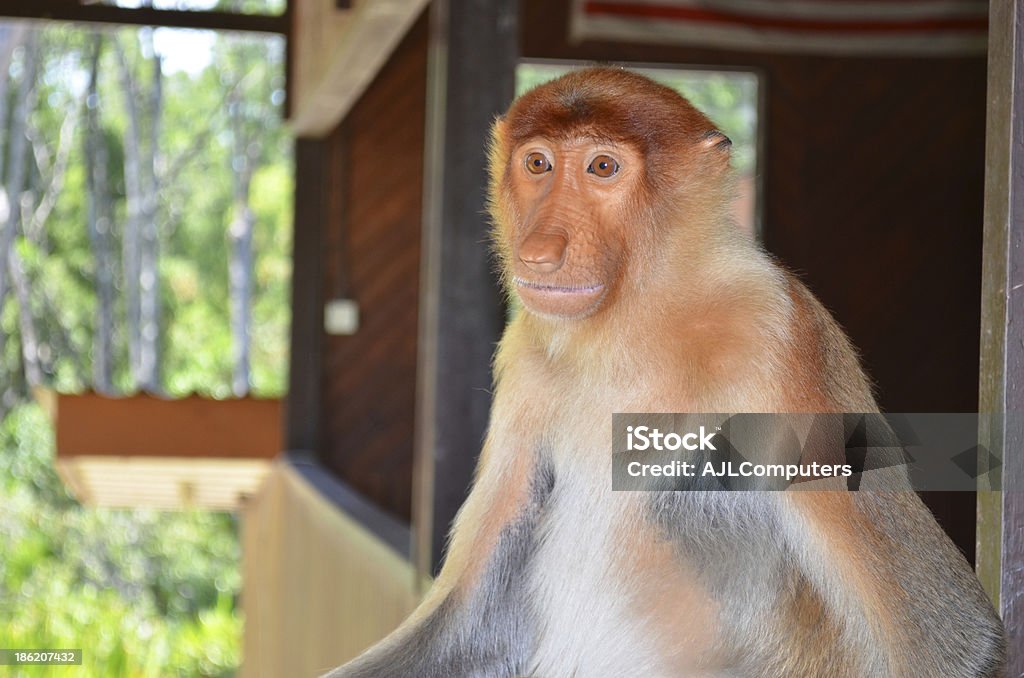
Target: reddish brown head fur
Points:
(609, 104)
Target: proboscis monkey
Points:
(610, 198)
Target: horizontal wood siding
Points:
(372, 255)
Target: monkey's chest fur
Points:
(651, 584)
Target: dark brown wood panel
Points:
(873, 176)
(372, 255)
(302, 418)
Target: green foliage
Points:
(143, 593)
(26, 451)
(272, 204)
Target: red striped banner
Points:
(837, 27)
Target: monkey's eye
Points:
(537, 163)
(603, 166)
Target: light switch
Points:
(341, 316)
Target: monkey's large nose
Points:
(543, 252)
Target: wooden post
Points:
(1001, 522)
(471, 79)
(302, 418)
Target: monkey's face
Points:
(567, 242)
(589, 172)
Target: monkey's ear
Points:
(497, 148)
(498, 128)
(497, 142)
(715, 139)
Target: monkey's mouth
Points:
(560, 289)
(561, 301)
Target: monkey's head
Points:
(592, 176)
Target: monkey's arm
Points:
(474, 622)
(905, 591)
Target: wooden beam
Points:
(91, 424)
(1000, 539)
(339, 54)
(144, 451)
(471, 79)
(302, 417)
(62, 10)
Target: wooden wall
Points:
(372, 255)
(873, 173)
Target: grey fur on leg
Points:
(488, 633)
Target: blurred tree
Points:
(100, 219)
(10, 201)
(141, 244)
(248, 78)
(135, 191)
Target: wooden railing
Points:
(325, 574)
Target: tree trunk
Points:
(26, 323)
(11, 36)
(141, 242)
(240, 234)
(100, 217)
(240, 274)
(10, 200)
(149, 259)
(133, 215)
